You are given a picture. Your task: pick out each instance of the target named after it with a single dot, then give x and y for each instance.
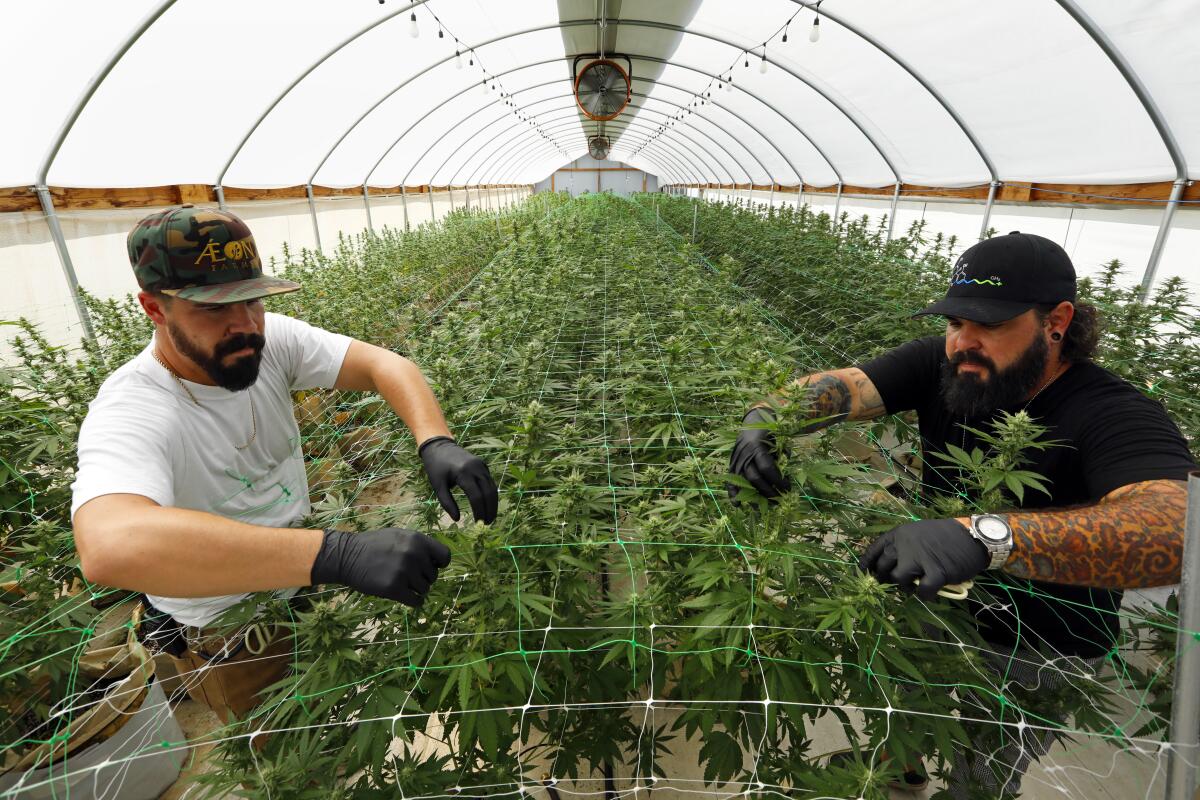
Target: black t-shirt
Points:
(1110, 435)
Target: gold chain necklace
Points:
(192, 397)
(1053, 378)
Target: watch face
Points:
(993, 529)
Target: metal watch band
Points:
(1000, 551)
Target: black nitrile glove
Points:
(390, 562)
(938, 551)
(449, 465)
(753, 457)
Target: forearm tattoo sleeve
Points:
(1131, 538)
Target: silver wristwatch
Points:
(993, 531)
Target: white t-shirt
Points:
(144, 436)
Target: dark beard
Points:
(970, 396)
(238, 376)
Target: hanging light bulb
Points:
(729, 84)
(762, 65)
(483, 86)
(441, 35)
(457, 60)
(815, 33)
(747, 61)
(413, 30)
(785, 29)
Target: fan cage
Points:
(628, 89)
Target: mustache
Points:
(240, 341)
(971, 357)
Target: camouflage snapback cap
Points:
(200, 254)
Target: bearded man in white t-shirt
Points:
(191, 473)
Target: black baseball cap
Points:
(999, 278)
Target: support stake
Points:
(64, 258)
(892, 216)
(695, 213)
(312, 210)
(987, 210)
(1160, 241)
(367, 206)
(1185, 709)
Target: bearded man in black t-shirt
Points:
(1114, 517)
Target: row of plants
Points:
(620, 605)
(48, 614)
(848, 293)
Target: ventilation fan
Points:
(598, 147)
(602, 88)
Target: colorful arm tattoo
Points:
(1132, 538)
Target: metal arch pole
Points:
(64, 130)
(367, 206)
(987, 210)
(958, 120)
(721, 128)
(1185, 708)
(455, 96)
(329, 54)
(220, 196)
(450, 191)
(679, 133)
(432, 210)
(570, 117)
(1160, 124)
(404, 202)
(651, 59)
(752, 96)
(515, 150)
(892, 216)
(515, 153)
(64, 257)
(837, 205)
(631, 23)
(677, 166)
(477, 132)
(312, 210)
(662, 170)
(756, 98)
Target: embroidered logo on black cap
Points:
(959, 278)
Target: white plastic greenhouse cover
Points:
(285, 92)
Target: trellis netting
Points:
(623, 628)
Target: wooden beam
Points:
(1136, 195)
